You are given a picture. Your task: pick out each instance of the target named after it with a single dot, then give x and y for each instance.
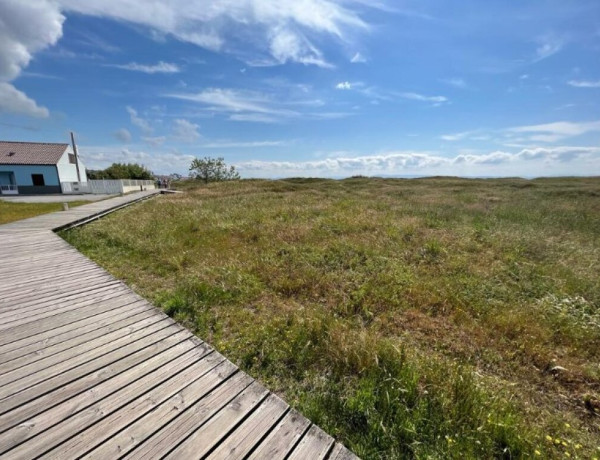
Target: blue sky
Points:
(327, 88)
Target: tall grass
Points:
(409, 318)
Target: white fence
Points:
(106, 187)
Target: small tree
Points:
(212, 170)
(121, 171)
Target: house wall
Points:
(23, 178)
(67, 171)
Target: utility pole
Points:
(76, 156)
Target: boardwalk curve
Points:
(90, 369)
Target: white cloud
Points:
(154, 141)
(241, 105)
(185, 131)
(279, 28)
(243, 145)
(553, 132)
(584, 83)
(358, 59)
(548, 46)
(138, 121)
(25, 28)
(526, 162)
(456, 136)
(161, 67)
(346, 85)
(456, 82)
(123, 135)
(421, 97)
(16, 102)
(99, 157)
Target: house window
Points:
(72, 158)
(38, 180)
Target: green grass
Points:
(11, 212)
(409, 318)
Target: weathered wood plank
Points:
(179, 429)
(240, 442)
(283, 438)
(172, 390)
(101, 383)
(315, 444)
(212, 432)
(145, 426)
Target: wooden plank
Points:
(212, 432)
(50, 384)
(35, 328)
(240, 442)
(49, 338)
(69, 363)
(35, 311)
(34, 293)
(315, 444)
(136, 433)
(84, 351)
(101, 383)
(169, 377)
(40, 348)
(59, 296)
(160, 443)
(172, 390)
(339, 452)
(279, 443)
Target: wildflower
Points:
(537, 453)
(549, 438)
(577, 446)
(567, 425)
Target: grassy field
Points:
(430, 318)
(10, 212)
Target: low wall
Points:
(106, 187)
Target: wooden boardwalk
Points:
(90, 369)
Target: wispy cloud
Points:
(255, 106)
(185, 131)
(548, 46)
(553, 132)
(423, 98)
(160, 67)
(584, 83)
(138, 121)
(243, 145)
(281, 31)
(156, 141)
(122, 135)
(457, 136)
(456, 82)
(358, 59)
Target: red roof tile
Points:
(30, 153)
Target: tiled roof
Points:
(30, 153)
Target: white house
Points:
(38, 167)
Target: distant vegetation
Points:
(121, 171)
(212, 170)
(425, 318)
